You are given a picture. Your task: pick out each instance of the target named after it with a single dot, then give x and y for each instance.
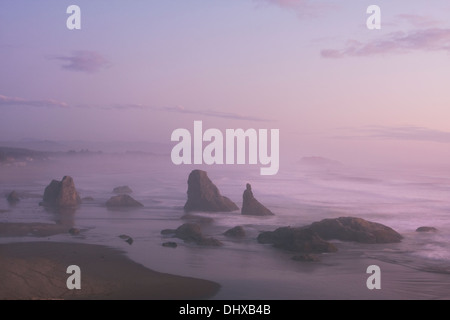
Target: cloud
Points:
(216, 114)
(11, 101)
(411, 133)
(83, 61)
(14, 101)
(183, 110)
(417, 21)
(431, 39)
(303, 8)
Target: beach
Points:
(37, 270)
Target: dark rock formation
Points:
(426, 229)
(306, 257)
(170, 244)
(87, 199)
(122, 201)
(296, 239)
(122, 190)
(236, 232)
(127, 238)
(203, 195)
(251, 206)
(191, 232)
(355, 229)
(61, 193)
(168, 232)
(13, 197)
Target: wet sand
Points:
(37, 270)
(32, 229)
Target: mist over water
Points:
(403, 199)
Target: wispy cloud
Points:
(303, 8)
(411, 133)
(83, 61)
(183, 110)
(15, 101)
(417, 21)
(431, 39)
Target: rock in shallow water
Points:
(251, 206)
(236, 232)
(297, 240)
(123, 201)
(170, 244)
(426, 229)
(127, 239)
(355, 229)
(74, 231)
(203, 195)
(191, 232)
(61, 193)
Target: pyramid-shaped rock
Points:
(203, 195)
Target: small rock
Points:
(122, 190)
(426, 229)
(191, 232)
(236, 232)
(123, 201)
(13, 197)
(87, 199)
(127, 238)
(170, 244)
(74, 231)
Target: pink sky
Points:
(309, 68)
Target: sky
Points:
(137, 70)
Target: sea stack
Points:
(203, 195)
(61, 193)
(251, 206)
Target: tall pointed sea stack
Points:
(251, 206)
(203, 195)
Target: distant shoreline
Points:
(37, 270)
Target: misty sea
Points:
(403, 199)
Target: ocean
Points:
(401, 198)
